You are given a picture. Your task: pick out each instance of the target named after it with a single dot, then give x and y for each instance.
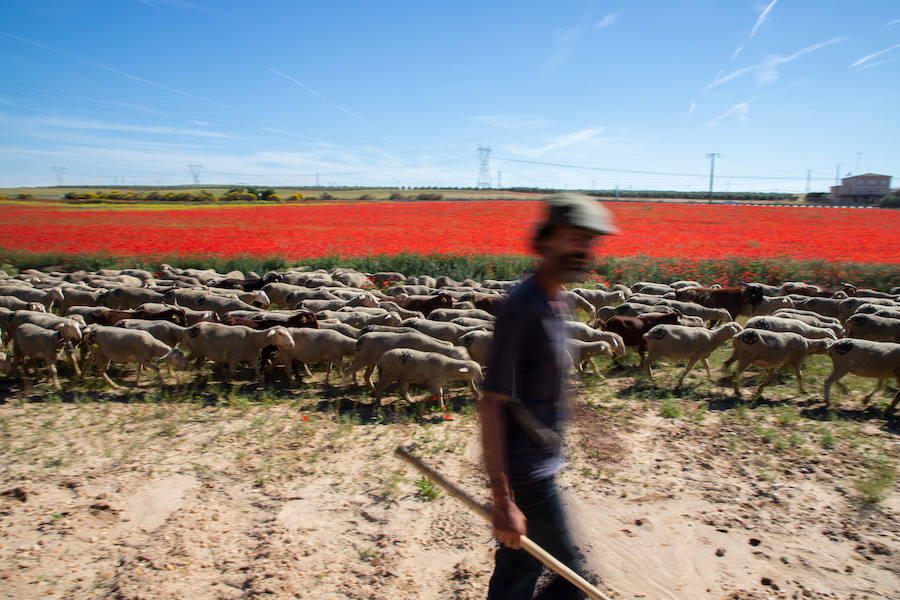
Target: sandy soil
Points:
(283, 500)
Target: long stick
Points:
(484, 512)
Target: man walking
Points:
(523, 403)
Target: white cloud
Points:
(878, 62)
(510, 122)
(583, 138)
(762, 17)
(607, 20)
(564, 46)
(869, 57)
(326, 100)
(879, 98)
(692, 109)
(767, 70)
(106, 126)
(736, 52)
(892, 23)
(738, 111)
(153, 83)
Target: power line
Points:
(59, 172)
(712, 156)
(641, 172)
(195, 172)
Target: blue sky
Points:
(403, 93)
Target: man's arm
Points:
(507, 519)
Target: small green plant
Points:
(732, 444)
(827, 440)
(426, 489)
(699, 414)
(768, 435)
(795, 440)
(669, 409)
(786, 415)
(875, 485)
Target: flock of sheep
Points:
(421, 330)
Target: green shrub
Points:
(876, 485)
(669, 409)
(891, 200)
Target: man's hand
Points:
(509, 522)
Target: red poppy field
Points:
(684, 231)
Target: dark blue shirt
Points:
(528, 361)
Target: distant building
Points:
(867, 188)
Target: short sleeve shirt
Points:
(528, 361)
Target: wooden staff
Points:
(485, 513)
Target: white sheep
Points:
(649, 287)
(685, 342)
(360, 319)
(768, 306)
(600, 298)
(478, 344)
(792, 325)
(120, 345)
(231, 344)
(577, 330)
(167, 332)
(429, 369)
(448, 314)
(878, 309)
(849, 306)
(442, 330)
(33, 341)
(811, 318)
(873, 327)
(582, 353)
(879, 360)
(370, 347)
(317, 345)
(772, 350)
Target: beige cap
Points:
(582, 211)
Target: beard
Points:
(572, 267)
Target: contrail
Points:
(326, 100)
(153, 83)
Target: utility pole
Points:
(59, 172)
(808, 179)
(195, 173)
(499, 179)
(317, 179)
(712, 156)
(484, 167)
(837, 173)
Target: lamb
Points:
(360, 319)
(78, 296)
(583, 332)
(828, 307)
(286, 294)
(317, 345)
(772, 350)
(370, 346)
(442, 330)
(406, 366)
(402, 312)
(34, 341)
(708, 314)
(577, 302)
(13, 303)
(584, 352)
(117, 344)
(792, 325)
(684, 283)
(129, 297)
(874, 328)
(811, 318)
(683, 342)
(165, 331)
(409, 290)
(648, 287)
(448, 314)
(29, 294)
(366, 299)
(626, 309)
(768, 306)
(478, 345)
(470, 322)
(865, 358)
(877, 309)
(69, 326)
(233, 344)
(352, 278)
(342, 328)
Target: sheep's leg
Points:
(288, 368)
(440, 395)
(729, 360)
(306, 368)
(368, 376)
(350, 372)
(706, 364)
(835, 377)
(877, 389)
(327, 372)
(742, 366)
(765, 381)
(137, 382)
(71, 355)
(799, 375)
(646, 364)
(380, 386)
(689, 366)
(889, 411)
(404, 391)
(106, 376)
(159, 373)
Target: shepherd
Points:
(524, 403)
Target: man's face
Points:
(569, 251)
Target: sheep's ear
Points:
(464, 369)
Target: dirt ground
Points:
(673, 497)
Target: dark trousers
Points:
(515, 571)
